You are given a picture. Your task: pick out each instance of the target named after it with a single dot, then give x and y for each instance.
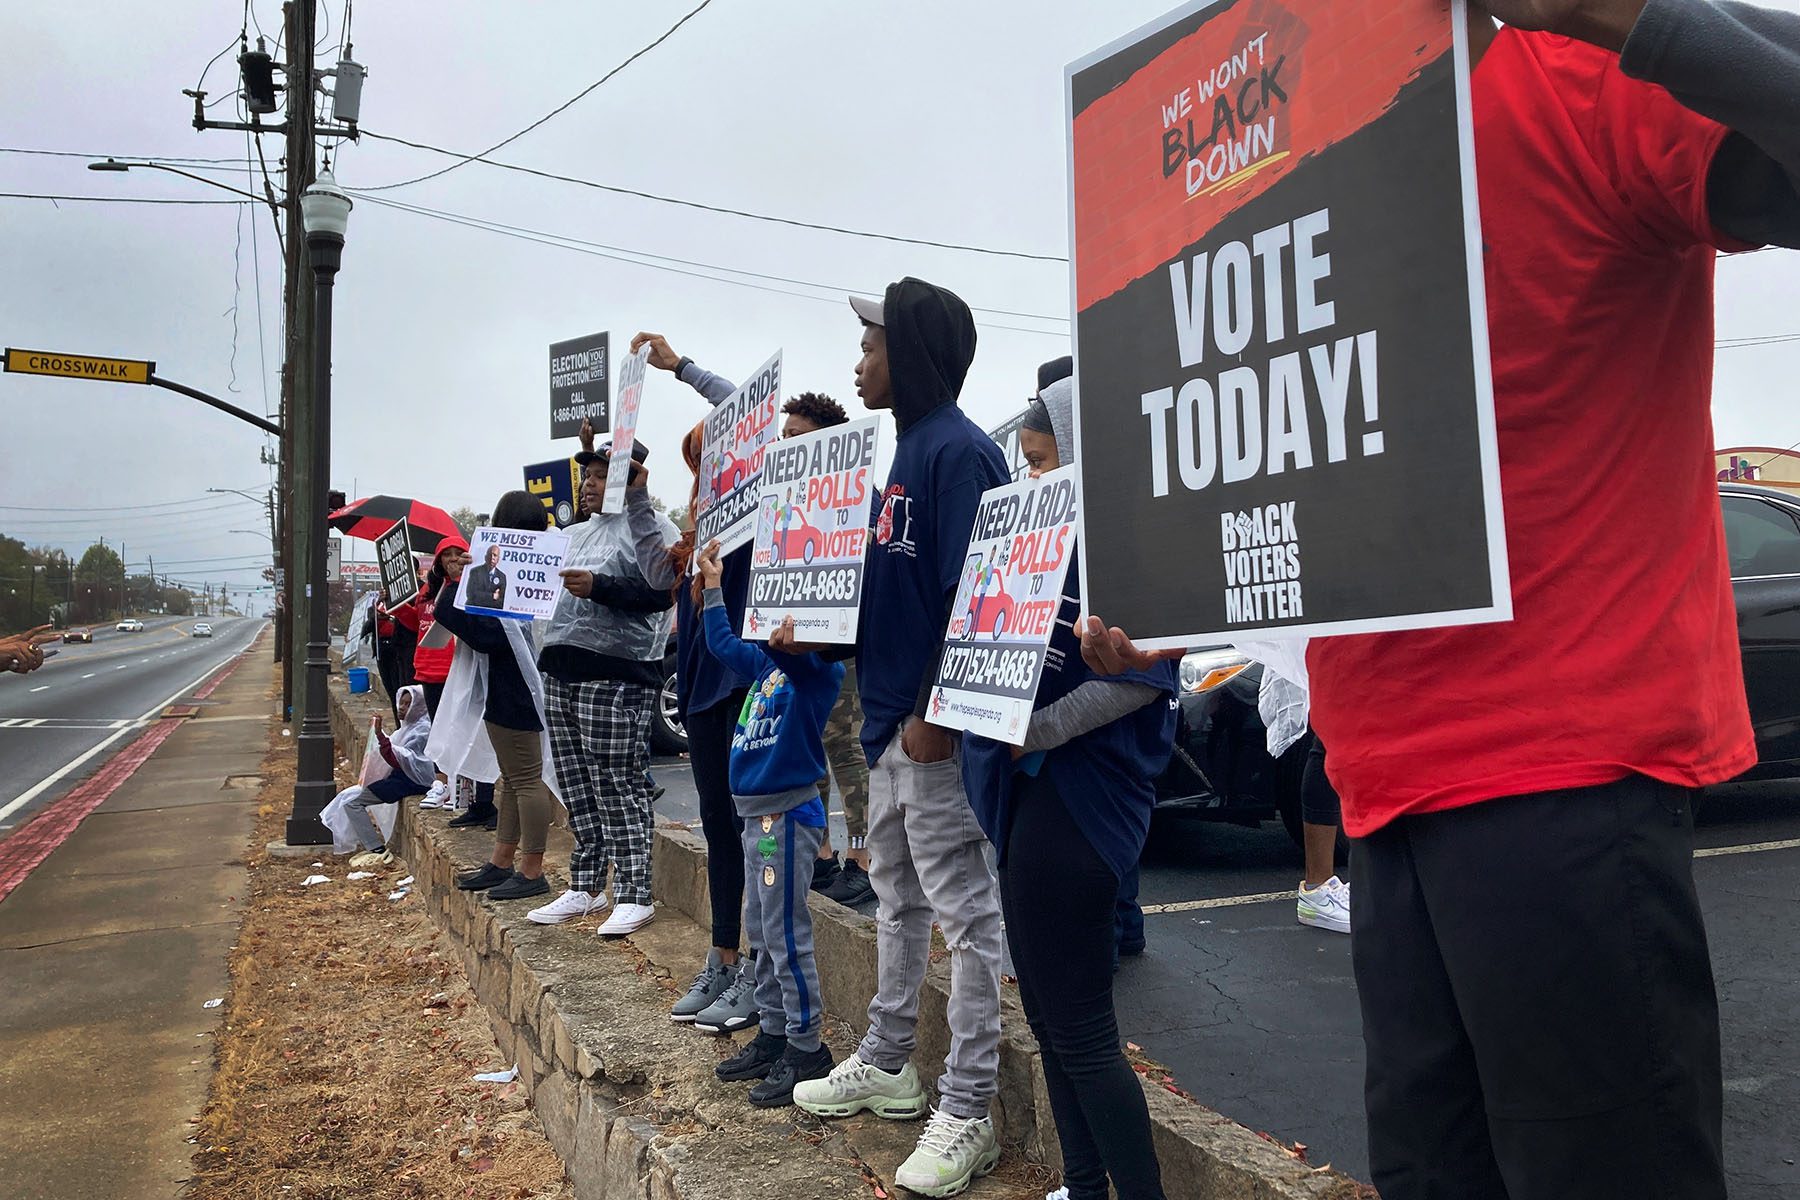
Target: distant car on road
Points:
(130, 625)
(83, 635)
(202, 629)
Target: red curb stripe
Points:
(21, 853)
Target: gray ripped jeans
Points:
(929, 863)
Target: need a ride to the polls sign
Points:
(1285, 416)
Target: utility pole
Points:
(154, 595)
(296, 398)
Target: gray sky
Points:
(932, 120)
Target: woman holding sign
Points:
(1068, 812)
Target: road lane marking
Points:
(43, 688)
(122, 724)
(9, 723)
(121, 666)
(89, 675)
(33, 723)
(1751, 848)
(1271, 897)
(56, 776)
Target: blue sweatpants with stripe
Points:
(778, 869)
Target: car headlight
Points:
(1204, 670)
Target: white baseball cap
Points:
(869, 310)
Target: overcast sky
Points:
(931, 120)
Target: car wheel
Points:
(999, 624)
(806, 552)
(667, 735)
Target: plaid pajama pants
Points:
(600, 741)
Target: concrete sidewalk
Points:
(109, 950)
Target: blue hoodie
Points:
(702, 681)
(778, 751)
(943, 462)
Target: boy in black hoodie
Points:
(926, 847)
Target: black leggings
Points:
(1059, 898)
(434, 695)
(709, 749)
(1319, 803)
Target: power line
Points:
(715, 208)
(114, 199)
(209, 498)
(838, 291)
(162, 158)
(563, 107)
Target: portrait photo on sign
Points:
(513, 573)
(1284, 405)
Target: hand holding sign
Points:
(577, 583)
(662, 357)
(1110, 652)
(711, 571)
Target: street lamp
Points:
(324, 215)
(113, 164)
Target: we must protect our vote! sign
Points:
(731, 459)
(812, 529)
(1285, 415)
(1005, 608)
(514, 573)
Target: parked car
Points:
(130, 625)
(83, 635)
(1221, 769)
(667, 736)
(201, 629)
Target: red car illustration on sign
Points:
(991, 614)
(729, 473)
(799, 540)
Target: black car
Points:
(1221, 769)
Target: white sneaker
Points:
(626, 918)
(1326, 906)
(1061, 1193)
(951, 1153)
(567, 907)
(855, 1085)
(437, 797)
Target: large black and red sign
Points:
(1285, 418)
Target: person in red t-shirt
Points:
(1537, 998)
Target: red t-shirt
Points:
(1622, 656)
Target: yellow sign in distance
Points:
(79, 366)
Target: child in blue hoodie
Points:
(777, 759)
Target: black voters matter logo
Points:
(1254, 420)
(1262, 564)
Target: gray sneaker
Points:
(708, 986)
(735, 1008)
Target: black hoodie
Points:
(942, 464)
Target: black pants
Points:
(394, 663)
(1059, 898)
(434, 695)
(709, 749)
(1537, 1001)
(1319, 803)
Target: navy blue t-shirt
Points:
(1107, 777)
(701, 680)
(919, 534)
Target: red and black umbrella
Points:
(373, 516)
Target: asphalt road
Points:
(1256, 1015)
(93, 696)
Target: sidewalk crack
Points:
(83, 937)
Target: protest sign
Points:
(558, 484)
(1006, 605)
(579, 384)
(812, 526)
(731, 456)
(1284, 414)
(624, 430)
(514, 573)
(399, 577)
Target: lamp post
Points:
(324, 214)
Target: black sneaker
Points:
(755, 1060)
(777, 1087)
(825, 874)
(852, 886)
(519, 887)
(480, 881)
(478, 814)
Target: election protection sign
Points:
(1005, 608)
(579, 385)
(731, 457)
(812, 526)
(514, 573)
(1284, 415)
(624, 430)
(399, 575)
(558, 484)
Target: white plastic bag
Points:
(374, 767)
(1282, 701)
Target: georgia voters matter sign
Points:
(1285, 416)
(812, 527)
(1005, 607)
